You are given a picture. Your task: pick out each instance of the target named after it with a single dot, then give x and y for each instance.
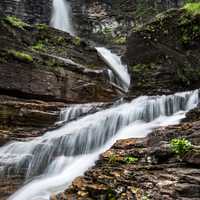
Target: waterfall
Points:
(61, 17)
(115, 64)
(61, 155)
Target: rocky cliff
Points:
(37, 11)
(163, 55)
(110, 21)
(41, 70)
(103, 21)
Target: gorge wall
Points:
(31, 11)
(99, 20)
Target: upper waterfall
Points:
(62, 16)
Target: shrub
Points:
(16, 22)
(180, 146)
(192, 8)
(130, 159)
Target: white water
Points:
(61, 155)
(61, 17)
(116, 66)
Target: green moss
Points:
(120, 40)
(130, 160)
(15, 22)
(21, 56)
(39, 46)
(60, 40)
(76, 41)
(41, 26)
(112, 159)
(192, 8)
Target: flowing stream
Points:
(51, 162)
(59, 156)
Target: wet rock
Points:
(157, 173)
(43, 63)
(160, 57)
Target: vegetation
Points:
(16, 22)
(39, 46)
(130, 160)
(120, 40)
(193, 8)
(180, 146)
(41, 26)
(112, 159)
(21, 56)
(77, 41)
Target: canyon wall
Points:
(99, 20)
(31, 11)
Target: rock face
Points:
(143, 169)
(31, 11)
(109, 21)
(163, 55)
(43, 63)
(106, 21)
(41, 70)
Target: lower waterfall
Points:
(53, 160)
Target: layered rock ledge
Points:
(143, 169)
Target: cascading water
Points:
(57, 155)
(53, 160)
(61, 17)
(115, 64)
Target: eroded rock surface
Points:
(163, 55)
(143, 169)
(43, 63)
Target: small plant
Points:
(16, 22)
(180, 146)
(77, 41)
(145, 197)
(130, 159)
(41, 27)
(120, 40)
(192, 8)
(39, 46)
(21, 56)
(112, 159)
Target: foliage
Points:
(41, 26)
(180, 146)
(192, 8)
(15, 22)
(77, 41)
(120, 40)
(21, 56)
(39, 46)
(130, 159)
(112, 159)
